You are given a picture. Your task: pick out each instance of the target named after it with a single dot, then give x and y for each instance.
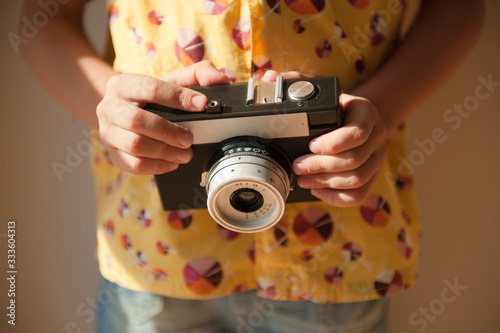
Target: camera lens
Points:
(254, 178)
(246, 200)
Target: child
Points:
(180, 271)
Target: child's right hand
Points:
(140, 142)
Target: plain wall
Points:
(57, 274)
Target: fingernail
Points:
(184, 156)
(186, 139)
(300, 168)
(199, 102)
(224, 74)
(315, 148)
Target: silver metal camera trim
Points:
(265, 92)
(217, 130)
(246, 170)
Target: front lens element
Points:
(246, 200)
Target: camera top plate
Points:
(232, 101)
(288, 108)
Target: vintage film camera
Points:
(244, 145)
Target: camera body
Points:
(244, 144)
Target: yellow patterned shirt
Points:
(316, 252)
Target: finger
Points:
(142, 122)
(345, 180)
(344, 198)
(344, 161)
(140, 165)
(141, 146)
(147, 89)
(271, 75)
(202, 73)
(360, 119)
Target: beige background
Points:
(57, 274)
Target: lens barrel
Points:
(246, 185)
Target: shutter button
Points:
(301, 90)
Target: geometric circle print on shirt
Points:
(388, 283)
(360, 65)
(113, 13)
(299, 26)
(339, 31)
(323, 48)
(144, 218)
(155, 17)
(226, 234)
(274, 5)
(126, 242)
(180, 219)
(306, 7)
(215, 7)
(351, 251)
(333, 275)
(313, 226)
(159, 274)
(360, 3)
(141, 258)
(109, 228)
(202, 275)
(123, 208)
(406, 217)
(189, 47)
(404, 182)
(229, 73)
(251, 252)
(376, 211)
(150, 50)
(162, 247)
(281, 232)
(260, 64)
(404, 244)
(241, 33)
(378, 30)
(307, 255)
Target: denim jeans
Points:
(125, 311)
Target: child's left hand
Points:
(344, 163)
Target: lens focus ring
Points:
(247, 192)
